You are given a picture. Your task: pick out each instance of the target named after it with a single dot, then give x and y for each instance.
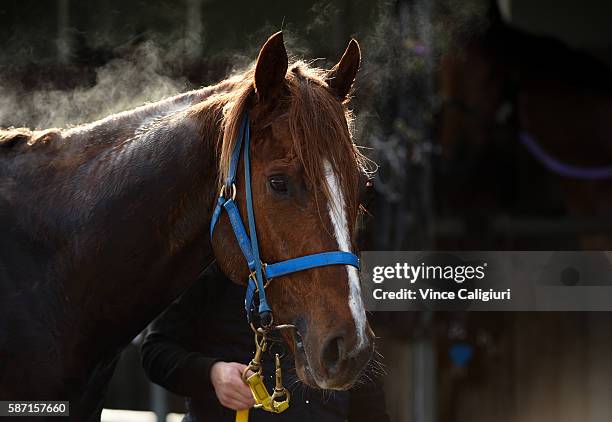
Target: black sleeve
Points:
(367, 403)
(167, 348)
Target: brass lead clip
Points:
(263, 399)
(279, 390)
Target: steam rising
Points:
(401, 56)
(399, 44)
(123, 83)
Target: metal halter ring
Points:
(233, 188)
(253, 276)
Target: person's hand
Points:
(226, 377)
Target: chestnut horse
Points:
(103, 225)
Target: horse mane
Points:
(320, 126)
(10, 137)
(13, 137)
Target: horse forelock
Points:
(321, 131)
(320, 127)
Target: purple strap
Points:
(561, 168)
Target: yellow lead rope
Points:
(242, 415)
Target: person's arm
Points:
(169, 358)
(167, 355)
(367, 403)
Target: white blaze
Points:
(337, 214)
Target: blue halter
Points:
(250, 249)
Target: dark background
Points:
(441, 100)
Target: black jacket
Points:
(207, 324)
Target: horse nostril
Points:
(333, 353)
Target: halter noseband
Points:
(260, 271)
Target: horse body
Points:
(103, 225)
(93, 220)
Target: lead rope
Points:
(242, 415)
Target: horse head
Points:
(305, 172)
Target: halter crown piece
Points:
(261, 273)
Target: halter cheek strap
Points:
(260, 273)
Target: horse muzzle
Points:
(337, 362)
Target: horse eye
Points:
(278, 184)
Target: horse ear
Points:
(271, 67)
(341, 77)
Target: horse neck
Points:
(147, 234)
